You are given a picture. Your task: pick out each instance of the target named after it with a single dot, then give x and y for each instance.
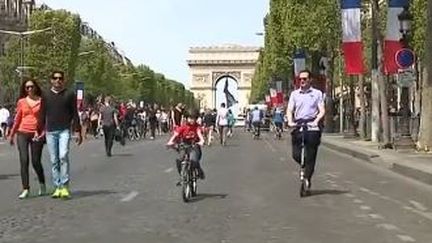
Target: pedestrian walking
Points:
(4, 116)
(109, 121)
(58, 114)
(28, 138)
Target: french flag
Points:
(351, 36)
(392, 42)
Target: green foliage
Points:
(84, 59)
(57, 48)
(313, 25)
(418, 10)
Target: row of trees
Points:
(315, 26)
(87, 59)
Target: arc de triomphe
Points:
(208, 65)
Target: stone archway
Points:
(208, 65)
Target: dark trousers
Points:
(257, 127)
(153, 126)
(194, 156)
(109, 132)
(94, 128)
(24, 141)
(312, 140)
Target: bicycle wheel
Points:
(194, 183)
(186, 187)
(303, 192)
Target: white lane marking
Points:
(364, 189)
(418, 205)
(358, 201)
(387, 226)
(129, 197)
(375, 216)
(349, 195)
(169, 170)
(427, 215)
(332, 175)
(269, 145)
(363, 207)
(406, 238)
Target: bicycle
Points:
(188, 172)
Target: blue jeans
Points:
(58, 143)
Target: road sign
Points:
(405, 58)
(406, 78)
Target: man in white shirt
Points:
(222, 122)
(4, 117)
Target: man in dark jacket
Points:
(58, 116)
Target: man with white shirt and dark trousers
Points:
(222, 122)
(59, 115)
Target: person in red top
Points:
(26, 128)
(190, 133)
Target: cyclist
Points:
(306, 105)
(256, 119)
(278, 120)
(190, 133)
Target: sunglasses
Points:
(57, 78)
(29, 87)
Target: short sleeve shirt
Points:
(305, 104)
(188, 133)
(107, 113)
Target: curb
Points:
(352, 152)
(407, 171)
(413, 173)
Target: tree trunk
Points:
(329, 121)
(362, 120)
(375, 103)
(352, 132)
(425, 134)
(384, 113)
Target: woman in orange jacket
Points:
(25, 128)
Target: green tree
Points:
(57, 48)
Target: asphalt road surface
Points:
(250, 195)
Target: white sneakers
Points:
(26, 192)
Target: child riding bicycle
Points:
(189, 133)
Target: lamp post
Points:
(22, 35)
(405, 20)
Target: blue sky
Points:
(158, 33)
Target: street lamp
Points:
(85, 53)
(22, 35)
(405, 20)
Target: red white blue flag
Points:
(351, 32)
(393, 36)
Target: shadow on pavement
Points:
(203, 196)
(84, 194)
(122, 155)
(8, 176)
(327, 192)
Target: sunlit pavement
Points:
(250, 195)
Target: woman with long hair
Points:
(25, 128)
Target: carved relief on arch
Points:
(200, 78)
(247, 78)
(218, 75)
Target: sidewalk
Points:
(408, 163)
